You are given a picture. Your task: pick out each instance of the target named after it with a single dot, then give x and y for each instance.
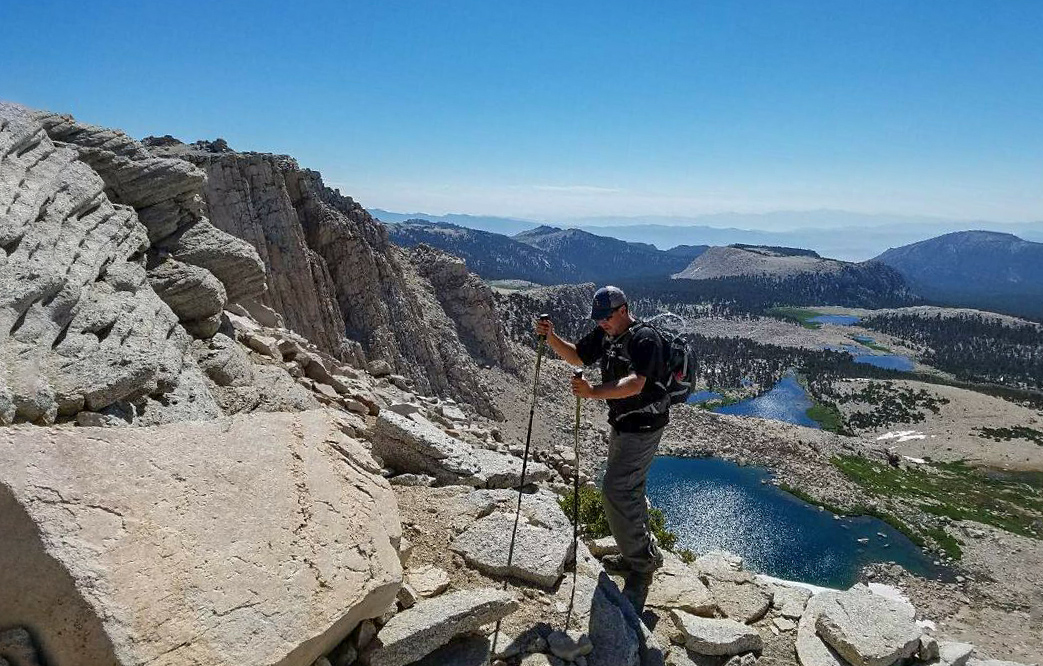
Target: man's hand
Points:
(544, 327)
(582, 388)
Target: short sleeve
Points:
(590, 347)
(646, 354)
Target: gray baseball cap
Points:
(606, 300)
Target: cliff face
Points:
(468, 301)
(194, 267)
(334, 275)
(246, 196)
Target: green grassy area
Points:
(860, 510)
(876, 347)
(728, 399)
(827, 416)
(953, 490)
(1007, 434)
(800, 315)
(948, 544)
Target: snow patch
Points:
(815, 589)
(902, 435)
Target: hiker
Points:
(632, 361)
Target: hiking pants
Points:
(629, 457)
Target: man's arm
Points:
(565, 349)
(623, 387)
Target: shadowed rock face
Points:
(468, 301)
(335, 277)
(80, 326)
(252, 540)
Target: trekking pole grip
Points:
(544, 317)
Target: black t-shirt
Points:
(639, 350)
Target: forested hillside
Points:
(972, 347)
(867, 285)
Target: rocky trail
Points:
(238, 426)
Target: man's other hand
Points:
(582, 388)
(544, 327)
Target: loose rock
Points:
(539, 553)
(716, 637)
(868, 629)
(415, 633)
(428, 581)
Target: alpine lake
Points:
(715, 504)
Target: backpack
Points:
(682, 368)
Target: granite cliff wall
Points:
(333, 274)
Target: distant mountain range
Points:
(980, 269)
(832, 233)
(545, 255)
(492, 256)
(603, 259)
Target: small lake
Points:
(786, 401)
(714, 504)
(839, 320)
(703, 396)
(887, 361)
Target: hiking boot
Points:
(635, 588)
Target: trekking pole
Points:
(525, 464)
(575, 502)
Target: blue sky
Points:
(562, 109)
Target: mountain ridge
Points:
(974, 268)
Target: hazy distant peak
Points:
(994, 270)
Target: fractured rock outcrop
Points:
(80, 326)
(256, 540)
(194, 294)
(468, 301)
(167, 195)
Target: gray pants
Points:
(629, 457)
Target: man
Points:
(632, 362)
